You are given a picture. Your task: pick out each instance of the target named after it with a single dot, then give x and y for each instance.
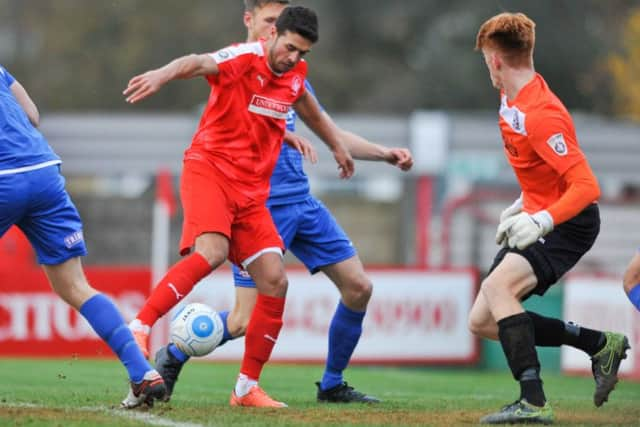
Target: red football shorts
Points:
(210, 206)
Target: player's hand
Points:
(302, 145)
(144, 85)
(344, 161)
(514, 209)
(523, 229)
(400, 157)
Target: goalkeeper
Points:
(545, 232)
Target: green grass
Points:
(87, 393)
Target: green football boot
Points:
(605, 365)
(521, 412)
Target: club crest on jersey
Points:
(296, 84)
(269, 107)
(556, 142)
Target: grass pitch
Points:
(87, 393)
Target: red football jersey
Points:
(539, 142)
(243, 124)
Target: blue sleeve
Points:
(309, 88)
(8, 78)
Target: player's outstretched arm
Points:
(309, 111)
(362, 149)
(186, 67)
(25, 102)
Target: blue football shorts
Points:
(311, 233)
(37, 202)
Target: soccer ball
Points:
(196, 329)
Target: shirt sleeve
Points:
(309, 89)
(6, 77)
(554, 140)
(233, 61)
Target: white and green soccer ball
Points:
(196, 329)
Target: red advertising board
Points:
(34, 321)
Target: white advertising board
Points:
(415, 317)
(599, 303)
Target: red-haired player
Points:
(545, 232)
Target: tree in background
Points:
(625, 70)
(373, 57)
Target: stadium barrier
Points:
(415, 316)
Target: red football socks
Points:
(174, 286)
(262, 334)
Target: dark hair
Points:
(251, 5)
(300, 20)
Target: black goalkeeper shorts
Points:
(561, 250)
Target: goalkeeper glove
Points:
(523, 229)
(512, 210)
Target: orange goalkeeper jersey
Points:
(539, 142)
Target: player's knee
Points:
(213, 247)
(214, 255)
(482, 329)
(357, 292)
(273, 283)
(474, 326)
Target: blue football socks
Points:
(106, 320)
(344, 333)
(634, 296)
(226, 336)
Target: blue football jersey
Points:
(289, 182)
(22, 146)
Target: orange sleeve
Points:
(554, 140)
(582, 190)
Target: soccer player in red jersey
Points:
(310, 233)
(225, 180)
(545, 232)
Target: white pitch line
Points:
(144, 417)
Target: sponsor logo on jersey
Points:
(73, 239)
(556, 142)
(260, 80)
(269, 107)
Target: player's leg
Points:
(345, 330)
(68, 280)
(512, 279)
(631, 281)
(206, 228)
(561, 250)
(257, 246)
(169, 360)
(53, 227)
(549, 332)
(321, 244)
